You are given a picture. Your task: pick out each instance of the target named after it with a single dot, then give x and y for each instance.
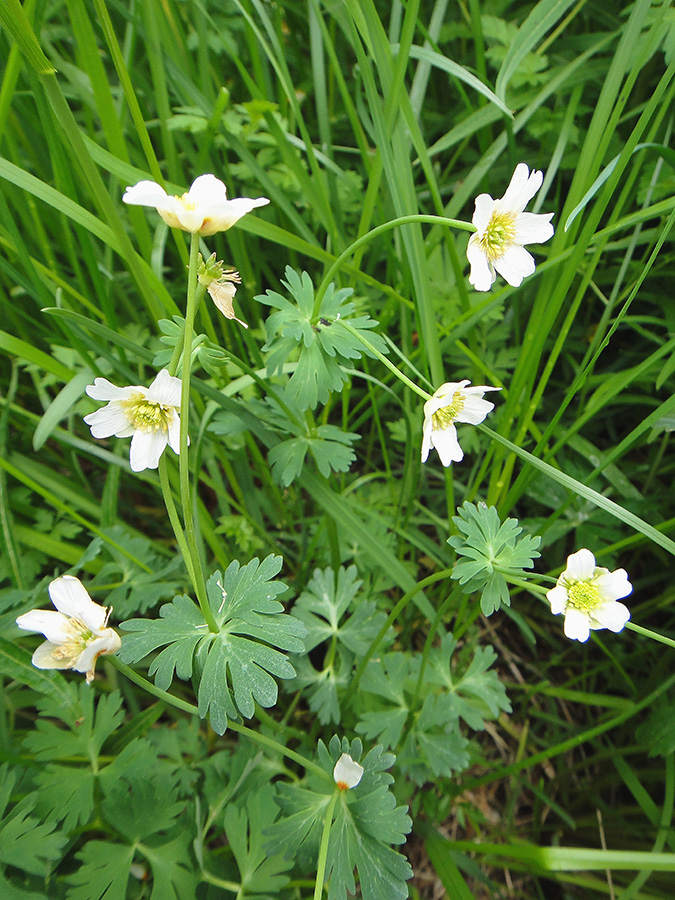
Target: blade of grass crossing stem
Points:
(442, 859)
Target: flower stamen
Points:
(146, 415)
(499, 235)
(583, 595)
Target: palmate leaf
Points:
(323, 344)
(491, 550)
(329, 446)
(25, 842)
(366, 821)
(236, 665)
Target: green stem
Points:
(183, 464)
(387, 362)
(323, 849)
(183, 705)
(381, 229)
(175, 520)
(654, 635)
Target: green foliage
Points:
(324, 346)
(329, 446)
(236, 662)
(366, 820)
(424, 714)
(210, 356)
(26, 841)
(492, 550)
(323, 609)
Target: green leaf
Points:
(25, 842)
(104, 872)
(259, 870)
(366, 821)
(236, 662)
(330, 447)
(491, 549)
(323, 350)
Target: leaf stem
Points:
(323, 849)
(249, 733)
(373, 233)
(654, 635)
(175, 520)
(183, 463)
(387, 362)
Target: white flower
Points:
(347, 773)
(204, 209)
(222, 293)
(503, 229)
(452, 402)
(76, 635)
(587, 596)
(149, 416)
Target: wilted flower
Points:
(452, 402)
(149, 416)
(587, 596)
(222, 293)
(347, 773)
(76, 635)
(503, 229)
(203, 209)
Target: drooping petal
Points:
(580, 566)
(222, 216)
(145, 193)
(108, 643)
(533, 228)
(484, 208)
(482, 274)
(70, 597)
(47, 656)
(52, 624)
(557, 597)
(102, 389)
(515, 264)
(610, 615)
(446, 443)
(111, 419)
(426, 439)
(173, 434)
(522, 188)
(165, 389)
(576, 627)
(146, 449)
(613, 585)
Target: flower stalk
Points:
(323, 848)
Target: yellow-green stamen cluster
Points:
(146, 415)
(499, 234)
(78, 638)
(446, 415)
(583, 595)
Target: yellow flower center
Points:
(147, 415)
(446, 415)
(584, 596)
(499, 234)
(185, 201)
(78, 638)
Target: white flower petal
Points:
(610, 615)
(577, 627)
(446, 443)
(533, 228)
(580, 566)
(108, 643)
(102, 389)
(53, 625)
(426, 440)
(347, 773)
(207, 190)
(165, 389)
(613, 585)
(70, 597)
(557, 597)
(173, 435)
(515, 264)
(145, 193)
(482, 274)
(111, 419)
(222, 216)
(522, 188)
(475, 410)
(484, 208)
(146, 449)
(44, 658)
